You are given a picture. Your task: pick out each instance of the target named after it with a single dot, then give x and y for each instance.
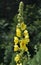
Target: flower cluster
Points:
(21, 39)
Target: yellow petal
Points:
(20, 63)
(22, 44)
(16, 48)
(18, 32)
(16, 40)
(27, 36)
(26, 40)
(25, 32)
(17, 58)
(23, 26)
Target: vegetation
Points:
(31, 16)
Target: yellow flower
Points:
(19, 64)
(22, 44)
(23, 26)
(16, 48)
(27, 36)
(16, 40)
(17, 58)
(18, 32)
(26, 40)
(25, 32)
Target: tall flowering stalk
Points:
(21, 39)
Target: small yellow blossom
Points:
(19, 63)
(23, 26)
(22, 44)
(27, 36)
(25, 32)
(26, 40)
(17, 58)
(18, 32)
(16, 40)
(16, 48)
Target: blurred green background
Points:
(8, 21)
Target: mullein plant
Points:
(21, 38)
